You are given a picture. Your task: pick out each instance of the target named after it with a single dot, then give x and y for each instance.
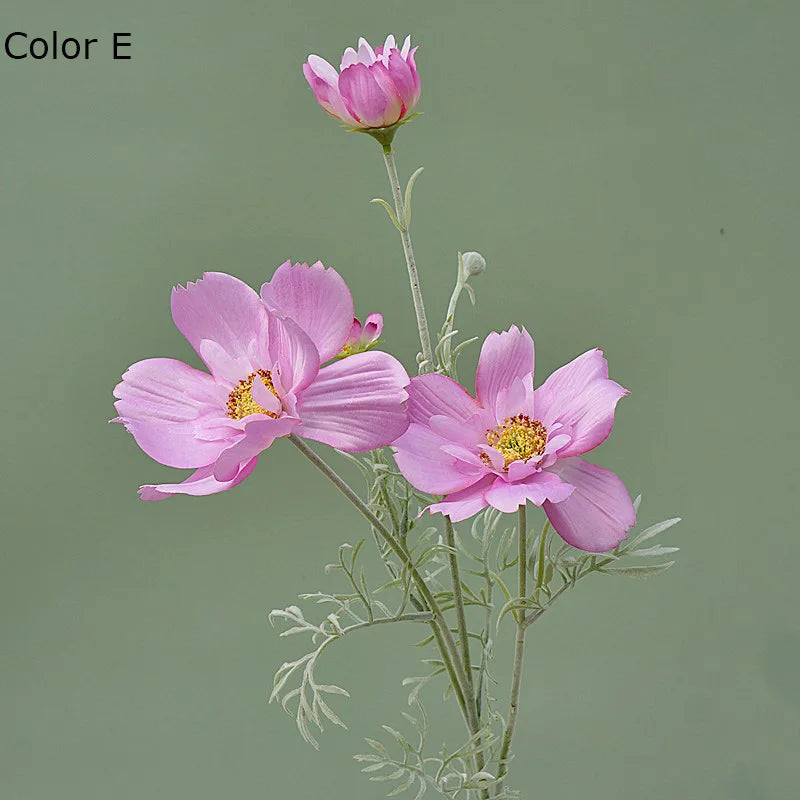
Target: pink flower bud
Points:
(373, 89)
(363, 337)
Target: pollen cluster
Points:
(518, 438)
(240, 400)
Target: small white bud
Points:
(474, 263)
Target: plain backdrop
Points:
(629, 170)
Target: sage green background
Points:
(630, 171)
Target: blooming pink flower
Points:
(375, 88)
(363, 337)
(513, 444)
(266, 380)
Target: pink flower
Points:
(513, 444)
(363, 337)
(375, 88)
(264, 356)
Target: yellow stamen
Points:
(240, 400)
(518, 439)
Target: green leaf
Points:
(640, 571)
(409, 188)
(653, 531)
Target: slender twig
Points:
(424, 616)
(542, 557)
(444, 637)
(519, 645)
(408, 252)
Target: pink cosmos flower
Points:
(264, 355)
(512, 444)
(363, 337)
(375, 88)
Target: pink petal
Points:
(323, 79)
(366, 55)
(504, 358)
(355, 332)
(265, 398)
(516, 399)
(225, 322)
(454, 430)
(201, 482)
(465, 503)
(519, 470)
(259, 434)
(356, 404)
(317, 299)
(430, 395)
(170, 407)
(349, 57)
(394, 104)
(403, 79)
(539, 487)
(373, 327)
(495, 456)
(429, 468)
(598, 513)
(292, 355)
(580, 396)
(411, 63)
(364, 98)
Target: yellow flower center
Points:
(240, 400)
(518, 438)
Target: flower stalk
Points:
(519, 642)
(403, 222)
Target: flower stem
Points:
(408, 252)
(441, 631)
(463, 635)
(519, 645)
(458, 600)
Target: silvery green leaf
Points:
(409, 188)
(638, 571)
(332, 689)
(373, 767)
(656, 550)
(392, 776)
(376, 745)
(329, 713)
(390, 211)
(370, 757)
(637, 502)
(402, 741)
(653, 530)
(402, 787)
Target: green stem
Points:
(519, 646)
(458, 600)
(411, 264)
(441, 631)
(463, 636)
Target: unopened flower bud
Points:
(372, 89)
(474, 264)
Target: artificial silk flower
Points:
(514, 444)
(363, 337)
(265, 357)
(373, 89)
